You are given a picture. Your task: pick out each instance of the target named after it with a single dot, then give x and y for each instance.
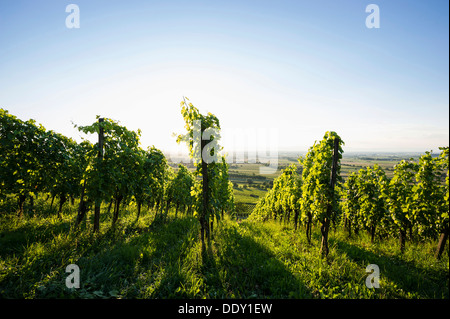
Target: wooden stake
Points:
(98, 202)
(326, 222)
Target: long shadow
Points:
(243, 268)
(428, 283)
(150, 259)
(30, 269)
(15, 242)
(105, 258)
(171, 241)
(234, 265)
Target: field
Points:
(147, 259)
(242, 173)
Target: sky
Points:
(289, 70)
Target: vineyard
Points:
(413, 203)
(138, 228)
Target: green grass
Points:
(148, 259)
(249, 194)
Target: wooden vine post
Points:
(100, 157)
(326, 222)
(204, 213)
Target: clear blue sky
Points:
(299, 67)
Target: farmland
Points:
(242, 173)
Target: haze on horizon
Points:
(299, 68)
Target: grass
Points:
(248, 194)
(151, 259)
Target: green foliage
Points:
(428, 195)
(219, 191)
(115, 174)
(316, 190)
(125, 171)
(34, 160)
(178, 191)
(350, 202)
(23, 160)
(442, 221)
(372, 206)
(195, 125)
(283, 199)
(399, 194)
(152, 178)
(223, 194)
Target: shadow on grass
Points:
(15, 242)
(428, 283)
(232, 265)
(171, 243)
(239, 267)
(163, 261)
(108, 261)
